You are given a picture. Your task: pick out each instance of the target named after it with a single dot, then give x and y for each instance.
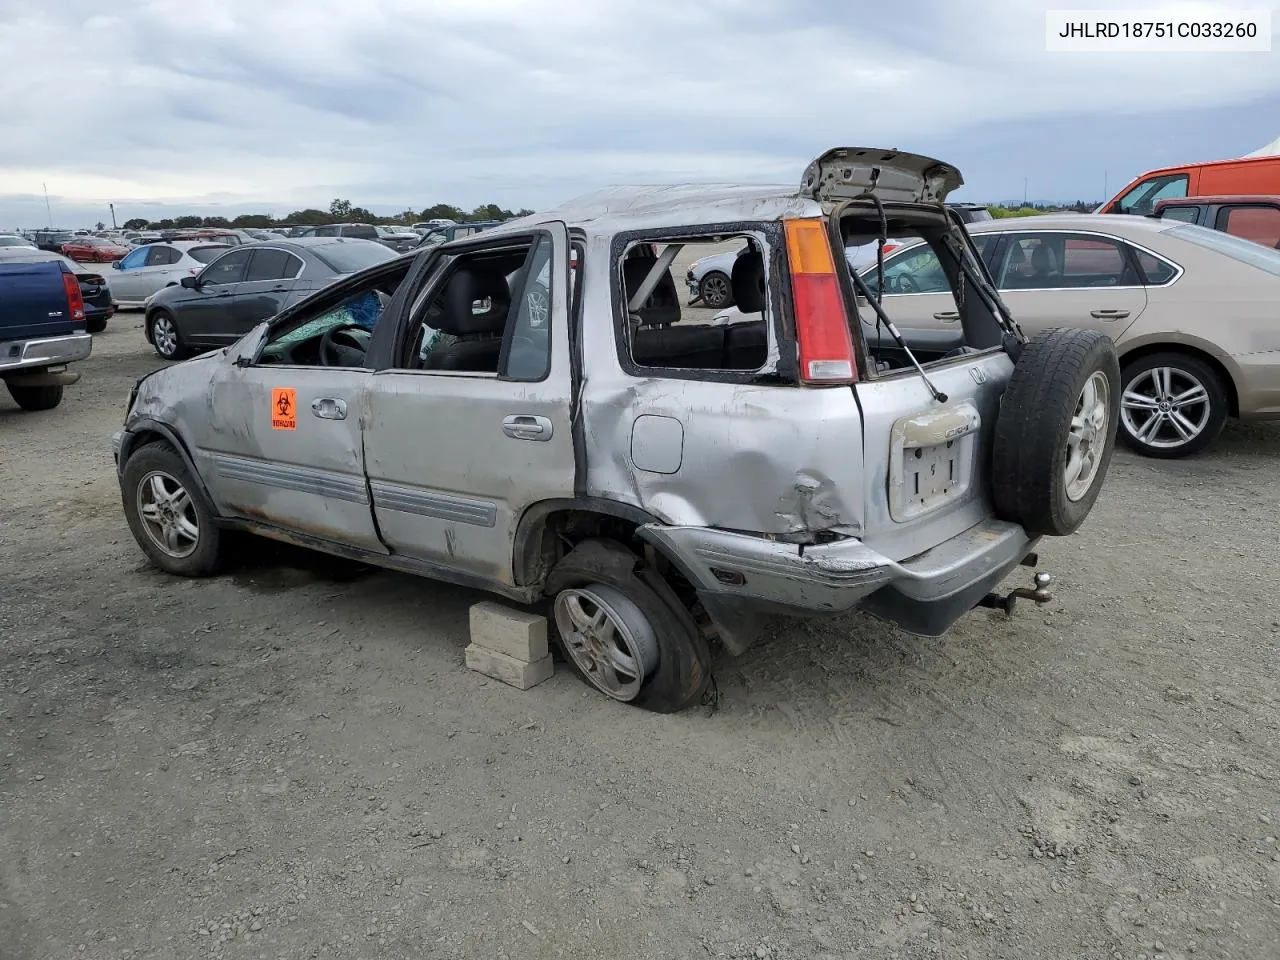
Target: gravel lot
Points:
(292, 761)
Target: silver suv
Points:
(534, 412)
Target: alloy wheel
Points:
(1087, 436)
(164, 335)
(608, 637)
(168, 514)
(1165, 407)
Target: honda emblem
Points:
(979, 375)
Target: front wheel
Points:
(165, 336)
(168, 515)
(715, 291)
(623, 630)
(1172, 405)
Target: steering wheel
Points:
(904, 283)
(334, 352)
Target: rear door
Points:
(1054, 279)
(455, 452)
(268, 283)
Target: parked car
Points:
(142, 239)
(1253, 176)
(42, 326)
(360, 231)
(52, 240)
(154, 266)
(93, 250)
(245, 286)
(708, 277)
(12, 240)
(399, 239)
(446, 233)
(1254, 218)
(95, 293)
(422, 226)
(657, 481)
(1192, 312)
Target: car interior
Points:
(661, 335)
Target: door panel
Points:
(450, 471)
(278, 447)
(207, 310)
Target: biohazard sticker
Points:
(284, 408)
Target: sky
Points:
(167, 107)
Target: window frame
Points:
(1128, 248)
(1223, 215)
(232, 252)
(435, 271)
(769, 235)
(302, 265)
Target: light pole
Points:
(113, 216)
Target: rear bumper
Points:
(45, 352)
(925, 594)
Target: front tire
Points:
(163, 332)
(623, 631)
(715, 291)
(35, 398)
(1056, 431)
(1172, 405)
(168, 515)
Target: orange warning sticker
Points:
(284, 408)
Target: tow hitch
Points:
(1039, 594)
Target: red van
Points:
(1247, 176)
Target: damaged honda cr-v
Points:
(535, 413)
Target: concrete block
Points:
(514, 632)
(520, 674)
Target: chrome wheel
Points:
(168, 514)
(1087, 438)
(608, 637)
(539, 308)
(715, 290)
(1165, 407)
(164, 335)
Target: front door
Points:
(268, 284)
(206, 310)
(283, 441)
(470, 425)
(1059, 279)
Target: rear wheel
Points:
(165, 336)
(1056, 431)
(35, 398)
(622, 629)
(1172, 405)
(96, 325)
(715, 291)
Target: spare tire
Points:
(1056, 431)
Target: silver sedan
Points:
(154, 266)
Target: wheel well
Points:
(1146, 350)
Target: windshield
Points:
(1244, 251)
(348, 256)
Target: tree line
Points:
(340, 211)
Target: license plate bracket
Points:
(931, 460)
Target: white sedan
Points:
(154, 266)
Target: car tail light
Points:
(822, 324)
(75, 302)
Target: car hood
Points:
(843, 173)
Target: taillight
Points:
(822, 324)
(75, 302)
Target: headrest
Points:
(464, 292)
(663, 305)
(1042, 259)
(747, 281)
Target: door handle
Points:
(527, 428)
(329, 408)
(947, 316)
(1108, 314)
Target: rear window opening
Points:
(922, 290)
(697, 303)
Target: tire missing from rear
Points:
(1056, 431)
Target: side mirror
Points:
(191, 283)
(115, 265)
(245, 350)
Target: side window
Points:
(467, 320)
(983, 242)
(272, 264)
(1187, 214)
(1155, 271)
(327, 231)
(227, 269)
(916, 271)
(337, 330)
(1044, 261)
(159, 256)
(1141, 199)
(135, 259)
(1255, 222)
(663, 331)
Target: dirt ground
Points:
(290, 761)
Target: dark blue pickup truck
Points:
(42, 329)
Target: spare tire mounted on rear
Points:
(1056, 431)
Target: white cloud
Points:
(291, 102)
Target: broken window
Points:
(720, 323)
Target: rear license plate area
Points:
(931, 461)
